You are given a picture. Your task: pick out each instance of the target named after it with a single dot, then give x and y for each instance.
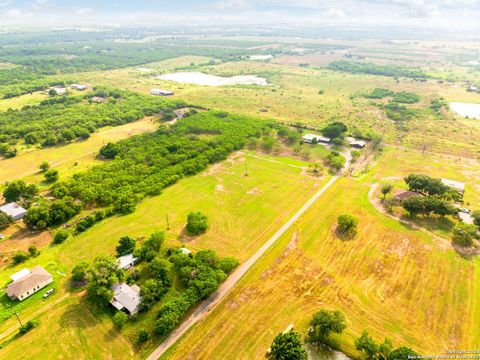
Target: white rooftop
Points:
(126, 261)
(20, 274)
(453, 184)
(310, 137)
(13, 209)
(127, 297)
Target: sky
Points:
(445, 14)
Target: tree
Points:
(33, 251)
(324, 323)
(125, 246)
(110, 150)
(51, 175)
(151, 291)
(196, 223)
(119, 319)
(367, 345)
(476, 217)
(103, 274)
(18, 189)
(52, 92)
(44, 166)
(288, 346)
(5, 220)
(347, 224)
(426, 185)
(80, 271)
(60, 236)
(151, 246)
(142, 336)
(402, 353)
(335, 130)
(19, 257)
(385, 349)
(464, 234)
(386, 189)
(158, 269)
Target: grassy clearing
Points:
(21, 101)
(64, 157)
(243, 212)
(389, 280)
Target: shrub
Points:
(347, 224)
(142, 336)
(119, 319)
(196, 223)
(80, 271)
(20, 257)
(51, 175)
(60, 236)
(5, 220)
(464, 234)
(29, 325)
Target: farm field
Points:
(299, 86)
(389, 280)
(21, 101)
(233, 232)
(64, 157)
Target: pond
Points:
(469, 110)
(199, 78)
(323, 352)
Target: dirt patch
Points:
(254, 191)
(219, 187)
(214, 169)
(19, 239)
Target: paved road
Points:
(214, 299)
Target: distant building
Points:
(15, 211)
(184, 251)
(126, 262)
(309, 138)
(161, 92)
(28, 282)
(455, 185)
(402, 194)
(126, 297)
(79, 87)
(359, 144)
(99, 99)
(59, 90)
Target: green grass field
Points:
(389, 280)
(243, 212)
(82, 152)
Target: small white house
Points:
(15, 211)
(126, 297)
(126, 262)
(309, 138)
(59, 90)
(79, 87)
(161, 92)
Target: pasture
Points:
(243, 212)
(390, 280)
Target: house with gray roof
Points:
(28, 282)
(15, 211)
(126, 297)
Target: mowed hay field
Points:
(243, 211)
(27, 163)
(389, 280)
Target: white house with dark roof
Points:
(28, 282)
(15, 211)
(126, 297)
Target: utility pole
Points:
(18, 318)
(246, 170)
(168, 223)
